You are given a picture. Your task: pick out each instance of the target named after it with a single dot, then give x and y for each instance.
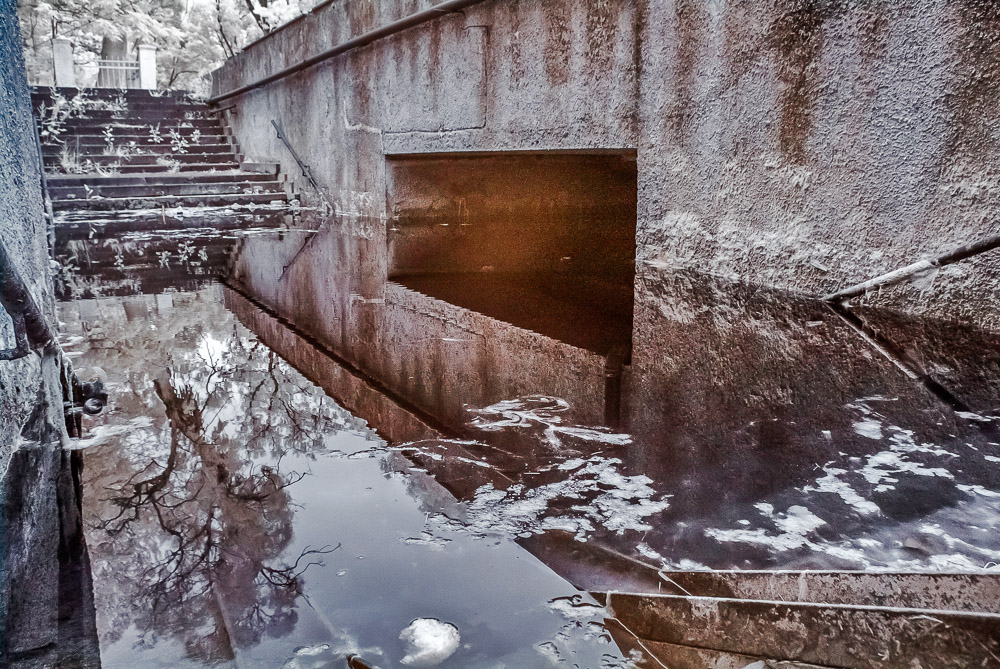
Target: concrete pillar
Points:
(147, 66)
(62, 62)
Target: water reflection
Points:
(763, 432)
(237, 514)
(190, 493)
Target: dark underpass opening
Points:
(542, 240)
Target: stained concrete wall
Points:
(467, 81)
(799, 145)
(46, 614)
(22, 228)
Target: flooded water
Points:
(235, 513)
(253, 497)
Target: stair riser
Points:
(171, 108)
(123, 134)
(164, 169)
(66, 231)
(158, 190)
(165, 118)
(43, 92)
(191, 167)
(171, 202)
(140, 126)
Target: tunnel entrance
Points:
(541, 240)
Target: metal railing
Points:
(118, 74)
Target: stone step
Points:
(854, 637)
(955, 591)
(143, 139)
(167, 117)
(158, 190)
(91, 150)
(44, 92)
(90, 135)
(173, 107)
(260, 168)
(114, 170)
(83, 126)
(659, 655)
(169, 201)
(96, 180)
(70, 225)
(202, 158)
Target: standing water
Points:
(235, 514)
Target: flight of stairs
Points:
(138, 157)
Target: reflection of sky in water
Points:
(282, 570)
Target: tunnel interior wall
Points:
(536, 213)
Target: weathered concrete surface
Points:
(46, 613)
(46, 597)
(22, 228)
(783, 151)
(951, 592)
(840, 636)
(660, 655)
(797, 144)
(803, 146)
(336, 288)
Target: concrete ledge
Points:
(863, 637)
(952, 592)
(659, 655)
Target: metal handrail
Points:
(50, 219)
(897, 276)
(306, 171)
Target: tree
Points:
(192, 37)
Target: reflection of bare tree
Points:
(192, 535)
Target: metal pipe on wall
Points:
(355, 42)
(31, 329)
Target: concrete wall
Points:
(46, 613)
(798, 145)
(801, 144)
(22, 228)
(467, 81)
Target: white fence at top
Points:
(139, 73)
(118, 74)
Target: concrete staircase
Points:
(134, 156)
